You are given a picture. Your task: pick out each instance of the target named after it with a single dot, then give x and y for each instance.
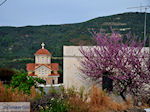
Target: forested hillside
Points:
(18, 44)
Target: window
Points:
(42, 59)
(47, 59)
(53, 81)
(38, 59)
(42, 71)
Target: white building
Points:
(71, 68)
(73, 77)
(43, 68)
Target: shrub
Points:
(144, 98)
(71, 100)
(6, 74)
(43, 101)
(13, 95)
(56, 105)
(24, 83)
(97, 101)
(77, 100)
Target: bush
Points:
(100, 100)
(43, 101)
(6, 74)
(56, 105)
(71, 100)
(24, 83)
(144, 98)
(13, 95)
(96, 101)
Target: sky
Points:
(46, 12)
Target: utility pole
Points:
(145, 36)
(145, 20)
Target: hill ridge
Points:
(22, 42)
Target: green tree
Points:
(24, 83)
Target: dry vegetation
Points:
(13, 95)
(98, 101)
(101, 101)
(95, 101)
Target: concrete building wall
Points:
(71, 68)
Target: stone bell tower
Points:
(42, 56)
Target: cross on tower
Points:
(42, 45)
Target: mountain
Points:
(18, 44)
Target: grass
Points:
(68, 100)
(96, 101)
(13, 95)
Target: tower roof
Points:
(42, 51)
(30, 67)
(33, 66)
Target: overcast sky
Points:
(42, 12)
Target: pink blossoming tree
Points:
(126, 63)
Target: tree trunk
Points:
(107, 83)
(123, 96)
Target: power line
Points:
(145, 21)
(3, 2)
